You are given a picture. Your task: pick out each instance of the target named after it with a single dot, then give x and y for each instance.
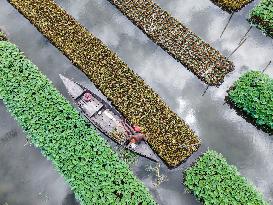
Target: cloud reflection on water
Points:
(218, 126)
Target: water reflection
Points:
(218, 126)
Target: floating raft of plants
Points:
(262, 17)
(77, 151)
(253, 94)
(231, 5)
(213, 181)
(166, 133)
(199, 57)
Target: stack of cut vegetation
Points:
(262, 17)
(77, 151)
(231, 5)
(199, 57)
(253, 94)
(2, 36)
(213, 181)
(167, 134)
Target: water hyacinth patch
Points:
(77, 151)
(199, 57)
(231, 5)
(262, 17)
(166, 132)
(253, 93)
(213, 181)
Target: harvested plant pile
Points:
(127, 91)
(199, 57)
(262, 17)
(253, 93)
(82, 156)
(231, 5)
(213, 181)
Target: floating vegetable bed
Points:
(253, 93)
(199, 57)
(77, 151)
(231, 5)
(213, 181)
(262, 17)
(169, 136)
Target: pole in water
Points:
(246, 34)
(237, 47)
(266, 67)
(205, 90)
(227, 24)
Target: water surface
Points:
(27, 178)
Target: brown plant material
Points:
(199, 57)
(231, 5)
(3, 36)
(164, 130)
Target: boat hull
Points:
(106, 118)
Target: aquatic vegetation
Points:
(213, 181)
(77, 151)
(205, 62)
(138, 103)
(262, 17)
(253, 93)
(129, 157)
(231, 5)
(160, 178)
(3, 36)
(8, 136)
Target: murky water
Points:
(29, 179)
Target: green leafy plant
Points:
(262, 17)
(231, 5)
(253, 93)
(213, 181)
(77, 151)
(164, 130)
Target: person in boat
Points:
(87, 96)
(136, 137)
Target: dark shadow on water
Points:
(247, 117)
(70, 200)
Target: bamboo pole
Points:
(237, 47)
(227, 24)
(246, 34)
(266, 66)
(205, 90)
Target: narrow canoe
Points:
(105, 117)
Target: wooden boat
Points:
(105, 118)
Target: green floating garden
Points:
(253, 93)
(262, 17)
(82, 156)
(214, 182)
